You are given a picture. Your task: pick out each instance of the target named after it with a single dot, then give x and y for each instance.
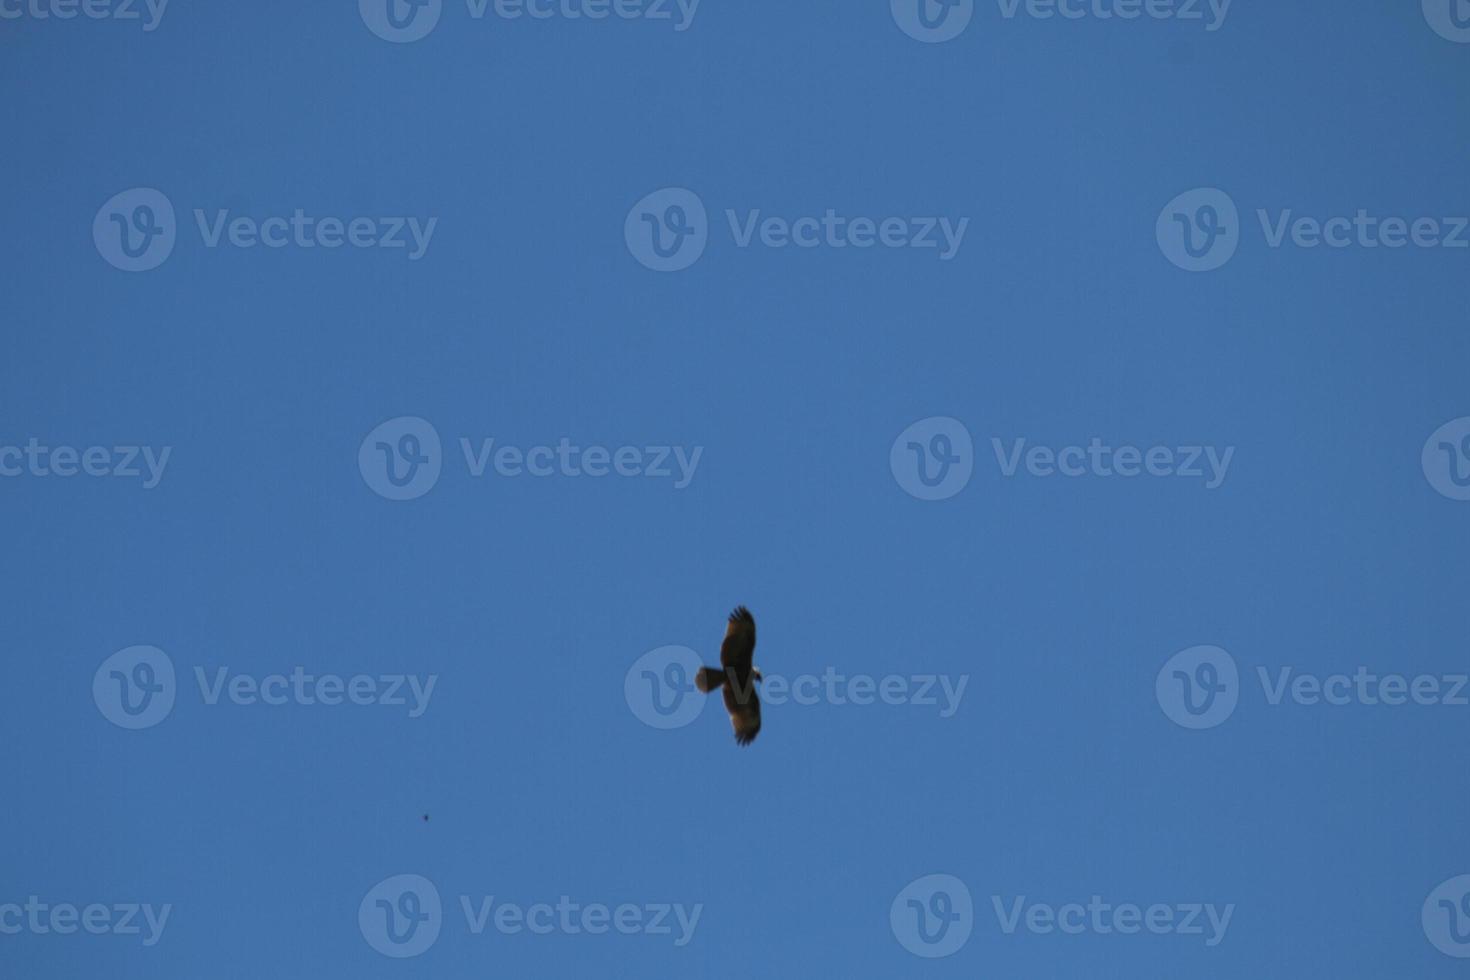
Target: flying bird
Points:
(737, 675)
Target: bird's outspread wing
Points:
(745, 711)
(738, 649)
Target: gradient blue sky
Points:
(528, 321)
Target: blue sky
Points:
(752, 423)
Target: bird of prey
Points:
(737, 675)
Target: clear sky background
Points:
(528, 321)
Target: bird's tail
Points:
(709, 678)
